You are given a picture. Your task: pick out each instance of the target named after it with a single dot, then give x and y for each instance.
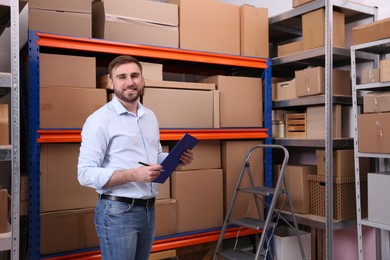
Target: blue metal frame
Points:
(33, 146)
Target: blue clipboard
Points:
(171, 162)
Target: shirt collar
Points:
(120, 109)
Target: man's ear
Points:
(110, 84)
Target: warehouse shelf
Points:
(310, 101)
(104, 50)
(317, 221)
(286, 28)
(340, 143)
(380, 48)
(168, 243)
(68, 136)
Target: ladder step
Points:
(252, 223)
(232, 254)
(266, 191)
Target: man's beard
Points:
(126, 98)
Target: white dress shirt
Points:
(112, 139)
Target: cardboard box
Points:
(374, 133)
(289, 48)
(65, 71)
(298, 186)
(243, 108)
(313, 29)
(296, 125)
(65, 107)
(370, 76)
(285, 90)
(311, 81)
(71, 17)
(167, 254)
(4, 125)
(199, 196)
(286, 245)
(371, 32)
(137, 21)
(207, 155)
(196, 107)
(59, 187)
(315, 120)
(64, 231)
(376, 102)
(343, 164)
(3, 210)
(233, 154)
(254, 31)
(378, 206)
(384, 70)
(165, 217)
(296, 3)
(203, 30)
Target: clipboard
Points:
(171, 162)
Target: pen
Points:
(145, 164)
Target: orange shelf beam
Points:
(74, 136)
(169, 243)
(104, 46)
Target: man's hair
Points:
(120, 60)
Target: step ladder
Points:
(265, 224)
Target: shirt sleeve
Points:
(92, 152)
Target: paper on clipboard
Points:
(171, 162)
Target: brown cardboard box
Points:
(296, 3)
(241, 100)
(207, 155)
(64, 231)
(315, 120)
(4, 125)
(67, 71)
(343, 164)
(311, 81)
(199, 196)
(165, 217)
(71, 17)
(196, 107)
(285, 90)
(205, 30)
(164, 189)
(65, 107)
(370, 76)
(371, 32)
(254, 31)
(313, 29)
(59, 187)
(376, 101)
(3, 211)
(289, 48)
(137, 21)
(166, 254)
(233, 154)
(385, 70)
(298, 187)
(374, 130)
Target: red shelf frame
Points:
(74, 136)
(170, 243)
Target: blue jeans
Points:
(125, 232)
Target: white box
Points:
(286, 245)
(378, 206)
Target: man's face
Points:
(127, 82)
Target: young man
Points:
(115, 138)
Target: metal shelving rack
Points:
(379, 49)
(287, 26)
(38, 41)
(10, 241)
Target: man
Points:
(115, 139)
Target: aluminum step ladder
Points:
(264, 225)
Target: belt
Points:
(131, 201)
